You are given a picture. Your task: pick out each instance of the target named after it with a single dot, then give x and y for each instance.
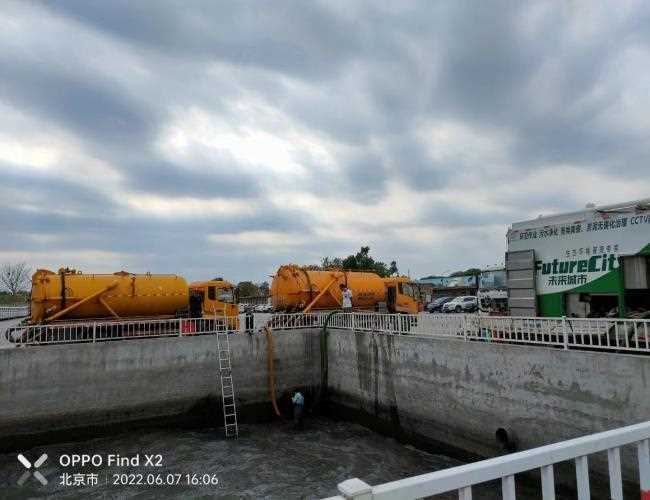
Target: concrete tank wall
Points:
(75, 385)
(458, 393)
(445, 393)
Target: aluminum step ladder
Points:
(227, 387)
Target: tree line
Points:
(361, 261)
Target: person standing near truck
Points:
(346, 295)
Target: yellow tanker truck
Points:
(212, 298)
(72, 295)
(295, 288)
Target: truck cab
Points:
(402, 295)
(214, 298)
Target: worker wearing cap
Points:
(298, 409)
(346, 295)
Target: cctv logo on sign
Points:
(28, 465)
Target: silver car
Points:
(464, 303)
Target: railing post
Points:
(615, 478)
(180, 325)
(508, 488)
(354, 322)
(355, 489)
(94, 332)
(643, 452)
(582, 478)
(465, 493)
(564, 334)
(465, 327)
(548, 483)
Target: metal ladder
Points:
(227, 387)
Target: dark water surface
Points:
(267, 461)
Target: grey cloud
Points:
(92, 108)
(366, 175)
(365, 81)
(48, 193)
(292, 37)
(419, 170)
(205, 181)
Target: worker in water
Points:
(346, 295)
(298, 409)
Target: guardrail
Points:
(631, 335)
(10, 312)
(102, 331)
(106, 330)
(464, 477)
(596, 333)
(625, 335)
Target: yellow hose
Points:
(271, 369)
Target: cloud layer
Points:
(227, 138)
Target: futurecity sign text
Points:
(574, 254)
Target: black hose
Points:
(323, 361)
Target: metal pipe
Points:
(271, 369)
(323, 360)
(110, 310)
(82, 301)
(320, 294)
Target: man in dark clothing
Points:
(298, 409)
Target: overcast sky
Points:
(227, 138)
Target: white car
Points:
(464, 303)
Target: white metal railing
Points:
(627, 335)
(461, 479)
(593, 333)
(631, 335)
(295, 321)
(104, 330)
(10, 312)
(100, 331)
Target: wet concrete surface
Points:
(267, 461)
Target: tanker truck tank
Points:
(69, 294)
(296, 288)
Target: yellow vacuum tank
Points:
(295, 287)
(69, 294)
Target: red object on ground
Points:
(188, 327)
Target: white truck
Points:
(590, 263)
(492, 292)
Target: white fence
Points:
(107, 330)
(616, 334)
(631, 335)
(623, 335)
(10, 312)
(461, 479)
(101, 331)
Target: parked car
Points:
(436, 304)
(464, 303)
